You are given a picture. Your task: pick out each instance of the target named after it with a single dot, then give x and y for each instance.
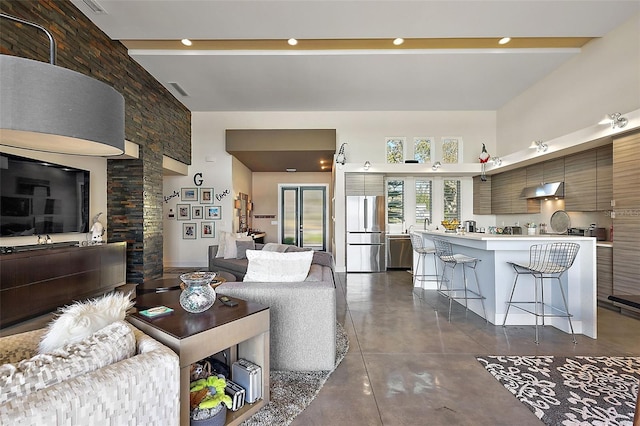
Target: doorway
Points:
(303, 209)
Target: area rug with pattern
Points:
(293, 391)
(580, 390)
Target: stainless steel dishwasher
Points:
(399, 251)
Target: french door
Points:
(303, 210)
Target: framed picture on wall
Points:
(206, 195)
(189, 231)
(207, 230)
(189, 194)
(184, 211)
(213, 213)
(196, 212)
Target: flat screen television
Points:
(41, 198)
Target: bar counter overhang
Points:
(496, 277)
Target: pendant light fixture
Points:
(48, 108)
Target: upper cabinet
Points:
(364, 184)
(588, 182)
(553, 170)
(505, 193)
(604, 177)
(481, 195)
(580, 181)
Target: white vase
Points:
(531, 231)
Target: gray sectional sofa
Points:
(303, 314)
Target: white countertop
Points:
(490, 237)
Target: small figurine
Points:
(484, 157)
(97, 230)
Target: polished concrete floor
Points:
(408, 365)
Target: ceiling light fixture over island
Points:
(496, 277)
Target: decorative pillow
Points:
(243, 246)
(278, 248)
(230, 248)
(268, 266)
(221, 240)
(113, 343)
(82, 319)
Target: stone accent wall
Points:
(154, 120)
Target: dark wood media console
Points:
(35, 282)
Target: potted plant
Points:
(209, 402)
(531, 228)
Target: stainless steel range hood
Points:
(544, 190)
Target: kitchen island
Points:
(496, 277)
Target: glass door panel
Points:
(290, 216)
(312, 220)
(304, 221)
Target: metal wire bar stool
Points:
(450, 260)
(546, 261)
(417, 243)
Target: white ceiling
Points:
(353, 80)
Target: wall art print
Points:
(189, 194)
(206, 196)
(213, 213)
(196, 212)
(189, 231)
(184, 211)
(207, 229)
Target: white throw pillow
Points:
(221, 240)
(269, 266)
(82, 319)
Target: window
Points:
(423, 201)
(452, 199)
(422, 149)
(450, 150)
(395, 150)
(395, 201)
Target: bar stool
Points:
(450, 260)
(546, 261)
(417, 243)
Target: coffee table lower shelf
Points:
(243, 329)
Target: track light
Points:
(436, 166)
(617, 120)
(367, 164)
(539, 146)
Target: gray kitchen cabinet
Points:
(553, 170)
(500, 197)
(535, 175)
(580, 181)
(604, 177)
(626, 222)
(364, 184)
(505, 193)
(481, 195)
(604, 259)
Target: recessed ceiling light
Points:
(292, 42)
(504, 40)
(398, 41)
(186, 42)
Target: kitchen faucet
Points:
(426, 219)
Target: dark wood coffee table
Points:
(244, 329)
(160, 285)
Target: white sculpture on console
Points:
(97, 230)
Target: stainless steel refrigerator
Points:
(366, 233)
